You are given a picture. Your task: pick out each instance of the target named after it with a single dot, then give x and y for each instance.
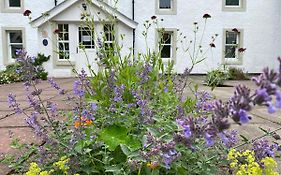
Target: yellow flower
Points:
(33, 169)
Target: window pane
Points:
(231, 38)
(86, 37)
(165, 4)
(15, 37)
(230, 52)
(14, 49)
(166, 39)
(14, 3)
(166, 51)
(232, 2)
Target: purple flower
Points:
(278, 99)
(244, 118)
(229, 139)
(94, 106)
(56, 86)
(14, 104)
(263, 149)
(270, 108)
(209, 140)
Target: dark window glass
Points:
(230, 52)
(86, 37)
(231, 38)
(166, 51)
(14, 3)
(15, 37)
(232, 2)
(165, 4)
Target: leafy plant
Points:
(216, 77)
(237, 74)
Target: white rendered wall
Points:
(260, 21)
(18, 20)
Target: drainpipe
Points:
(134, 30)
(56, 2)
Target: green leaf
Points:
(115, 135)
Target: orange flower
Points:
(88, 122)
(77, 124)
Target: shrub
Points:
(216, 78)
(12, 73)
(237, 74)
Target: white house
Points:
(56, 26)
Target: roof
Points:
(48, 15)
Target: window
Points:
(232, 43)
(166, 7)
(234, 5)
(165, 4)
(109, 37)
(63, 41)
(86, 37)
(166, 44)
(11, 6)
(13, 39)
(14, 3)
(15, 42)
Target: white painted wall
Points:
(261, 23)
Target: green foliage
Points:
(216, 77)
(237, 74)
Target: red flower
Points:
(26, 13)
(241, 50)
(153, 17)
(206, 16)
(235, 30)
(212, 45)
(57, 31)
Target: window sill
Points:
(12, 10)
(65, 63)
(166, 12)
(232, 61)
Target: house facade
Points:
(247, 32)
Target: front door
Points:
(85, 50)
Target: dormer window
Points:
(166, 7)
(234, 5)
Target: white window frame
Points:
(108, 32)
(234, 8)
(6, 44)
(62, 41)
(10, 44)
(238, 59)
(162, 44)
(168, 11)
(173, 44)
(90, 34)
(5, 8)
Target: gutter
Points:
(134, 30)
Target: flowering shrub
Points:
(13, 72)
(133, 117)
